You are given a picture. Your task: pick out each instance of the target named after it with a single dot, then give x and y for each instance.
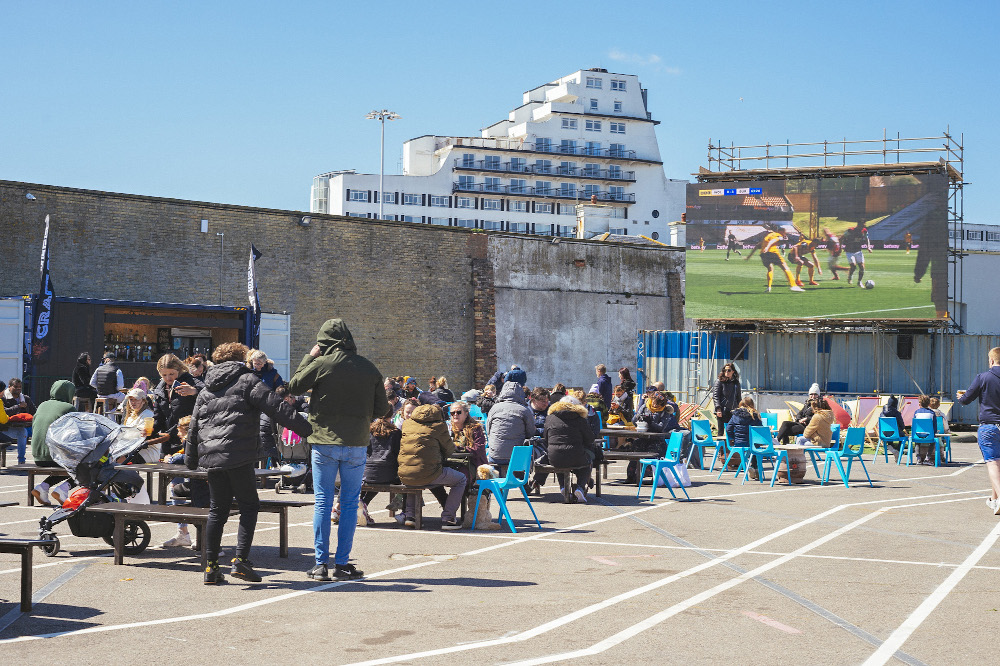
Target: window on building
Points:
(543, 208)
(618, 106)
(492, 162)
(567, 168)
(519, 206)
(973, 235)
(543, 144)
(543, 166)
(411, 218)
(389, 197)
(492, 184)
(617, 128)
(468, 224)
(543, 187)
(359, 195)
(593, 147)
(518, 186)
(466, 183)
(593, 104)
(441, 202)
(518, 227)
(593, 82)
(992, 236)
(567, 146)
(615, 171)
(616, 193)
(413, 199)
(564, 231)
(591, 190)
(618, 84)
(567, 209)
(518, 164)
(567, 190)
(468, 160)
(616, 150)
(440, 221)
(491, 204)
(464, 202)
(357, 214)
(593, 125)
(490, 225)
(569, 123)
(591, 169)
(619, 231)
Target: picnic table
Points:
(168, 471)
(613, 454)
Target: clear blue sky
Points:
(245, 102)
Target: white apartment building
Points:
(587, 136)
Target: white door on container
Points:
(275, 335)
(11, 337)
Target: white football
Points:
(869, 284)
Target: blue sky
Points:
(245, 102)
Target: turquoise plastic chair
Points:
(888, 433)
(944, 439)
(770, 419)
(761, 449)
(835, 435)
(701, 439)
(922, 432)
(477, 413)
(670, 461)
(855, 437)
(517, 475)
(744, 453)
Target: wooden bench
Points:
(3, 504)
(568, 485)
(26, 547)
(612, 455)
(3, 453)
(122, 511)
(37, 470)
(399, 489)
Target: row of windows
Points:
(512, 205)
(594, 108)
(592, 126)
(595, 82)
(975, 235)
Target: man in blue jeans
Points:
(347, 394)
(986, 387)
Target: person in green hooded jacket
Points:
(59, 404)
(347, 395)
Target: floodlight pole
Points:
(382, 116)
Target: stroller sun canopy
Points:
(84, 438)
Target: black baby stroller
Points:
(86, 445)
(295, 465)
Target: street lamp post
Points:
(382, 116)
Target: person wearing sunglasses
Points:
(469, 436)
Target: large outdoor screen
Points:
(858, 247)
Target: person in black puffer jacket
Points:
(738, 428)
(223, 440)
(726, 395)
(382, 464)
(569, 442)
(171, 404)
(82, 390)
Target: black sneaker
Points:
(453, 524)
(212, 574)
(318, 572)
(347, 572)
(243, 570)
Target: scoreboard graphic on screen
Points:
(850, 247)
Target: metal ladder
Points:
(693, 366)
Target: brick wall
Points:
(420, 300)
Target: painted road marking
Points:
(771, 622)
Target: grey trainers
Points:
(347, 572)
(243, 570)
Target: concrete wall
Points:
(562, 308)
(420, 300)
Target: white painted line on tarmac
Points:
(652, 621)
(771, 622)
(917, 617)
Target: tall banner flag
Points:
(43, 307)
(252, 296)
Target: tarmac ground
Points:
(907, 570)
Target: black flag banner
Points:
(42, 324)
(254, 341)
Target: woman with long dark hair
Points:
(726, 394)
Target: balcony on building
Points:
(550, 193)
(534, 169)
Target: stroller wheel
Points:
(51, 550)
(137, 536)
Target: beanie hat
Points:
(814, 389)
